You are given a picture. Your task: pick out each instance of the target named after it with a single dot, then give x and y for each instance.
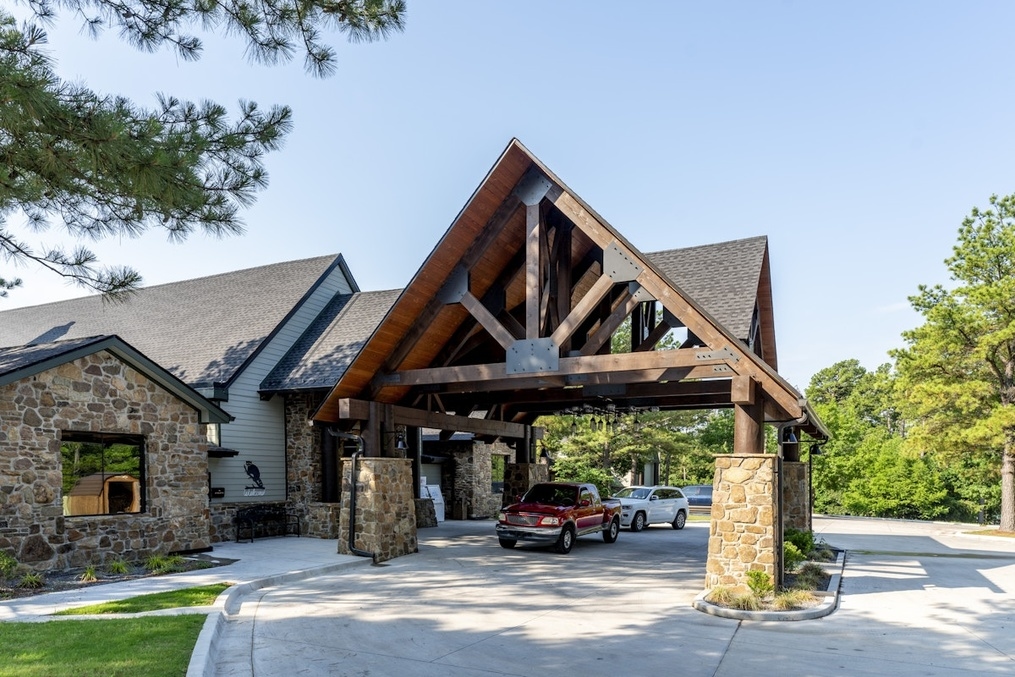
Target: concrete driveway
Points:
(917, 600)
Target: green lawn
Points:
(201, 595)
(149, 646)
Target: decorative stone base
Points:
(743, 534)
(385, 523)
(321, 520)
(519, 477)
(796, 496)
(426, 514)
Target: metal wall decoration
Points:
(254, 473)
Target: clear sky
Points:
(855, 135)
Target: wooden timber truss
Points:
(513, 316)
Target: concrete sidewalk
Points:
(262, 562)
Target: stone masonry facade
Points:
(519, 477)
(385, 524)
(796, 495)
(744, 533)
(303, 467)
(98, 394)
(468, 480)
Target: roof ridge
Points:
(184, 281)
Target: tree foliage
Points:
(97, 165)
(958, 369)
(610, 456)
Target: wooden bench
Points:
(267, 520)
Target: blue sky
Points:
(855, 135)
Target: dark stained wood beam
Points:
(582, 309)
(650, 365)
(622, 309)
(487, 320)
(654, 337)
(360, 410)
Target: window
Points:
(103, 474)
(213, 432)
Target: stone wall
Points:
(519, 477)
(303, 464)
(385, 522)
(743, 534)
(321, 519)
(467, 481)
(98, 393)
(796, 496)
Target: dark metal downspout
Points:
(352, 494)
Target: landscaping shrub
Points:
(803, 540)
(8, 565)
(119, 567)
(726, 597)
(810, 577)
(760, 583)
(791, 556)
(793, 599)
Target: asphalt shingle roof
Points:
(327, 348)
(201, 330)
(19, 357)
(722, 278)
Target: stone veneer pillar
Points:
(385, 507)
(796, 496)
(744, 533)
(304, 468)
(518, 477)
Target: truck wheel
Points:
(508, 543)
(611, 533)
(680, 520)
(566, 540)
(638, 523)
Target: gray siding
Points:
(258, 432)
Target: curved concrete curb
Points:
(202, 662)
(827, 606)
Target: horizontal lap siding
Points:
(258, 432)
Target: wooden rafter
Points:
(542, 282)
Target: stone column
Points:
(385, 508)
(518, 477)
(796, 495)
(744, 533)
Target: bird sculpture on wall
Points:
(254, 474)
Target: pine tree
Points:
(98, 165)
(958, 371)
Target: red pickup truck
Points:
(557, 513)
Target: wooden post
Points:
(748, 417)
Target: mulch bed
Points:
(70, 579)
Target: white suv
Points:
(642, 506)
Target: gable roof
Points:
(322, 354)
(514, 308)
(202, 330)
(21, 362)
(729, 279)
